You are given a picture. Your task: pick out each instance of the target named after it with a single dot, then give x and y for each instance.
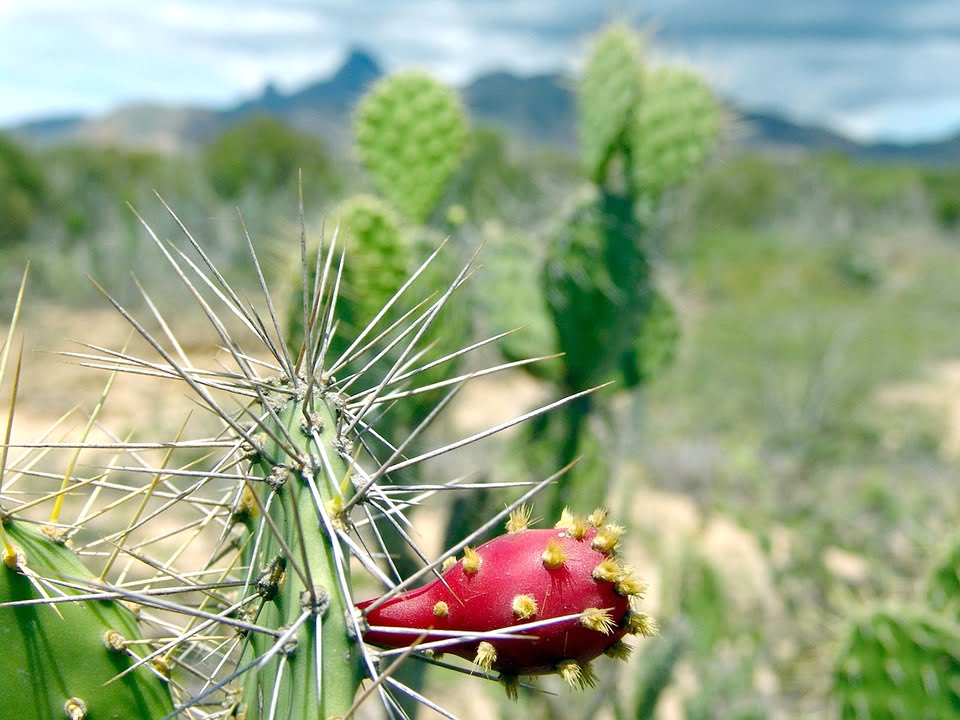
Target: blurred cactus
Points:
(379, 254)
(900, 664)
(510, 293)
(410, 132)
(943, 583)
(906, 663)
(609, 97)
(643, 132)
(674, 129)
(597, 283)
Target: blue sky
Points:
(871, 68)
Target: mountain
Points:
(537, 109)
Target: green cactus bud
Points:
(65, 658)
(375, 269)
(675, 128)
(410, 132)
(609, 96)
(899, 664)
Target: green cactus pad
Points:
(898, 665)
(378, 257)
(410, 132)
(943, 584)
(674, 130)
(609, 96)
(52, 655)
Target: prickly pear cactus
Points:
(410, 133)
(674, 129)
(609, 97)
(550, 601)
(240, 540)
(900, 664)
(66, 660)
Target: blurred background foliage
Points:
(794, 462)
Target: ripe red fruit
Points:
(523, 577)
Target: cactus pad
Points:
(410, 133)
(609, 96)
(597, 284)
(900, 665)
(57, 661)
(674, 130)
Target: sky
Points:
(873, 69)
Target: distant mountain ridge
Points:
(539, 109)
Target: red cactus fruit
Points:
(521, 578)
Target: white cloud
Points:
(868, 66)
